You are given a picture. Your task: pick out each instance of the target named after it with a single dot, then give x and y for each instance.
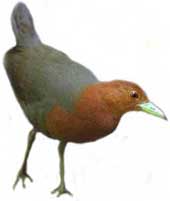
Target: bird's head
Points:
(123, 96)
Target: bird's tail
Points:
(23, 26)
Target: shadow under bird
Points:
(61, 98)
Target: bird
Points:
(61, 98)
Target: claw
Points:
(22, 175)
(61, 190)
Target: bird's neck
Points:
(92, 107)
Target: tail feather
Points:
(23, 26)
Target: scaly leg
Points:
(61, 189)
(22, 174)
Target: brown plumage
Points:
(97, 111)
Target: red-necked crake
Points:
(61, 98)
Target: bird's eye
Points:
(134, 94)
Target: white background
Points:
(116, 39)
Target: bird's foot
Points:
(22, 175)
(61, 190)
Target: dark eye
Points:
(134, 94)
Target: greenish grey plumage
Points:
(42, 76)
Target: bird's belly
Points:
(67, 127)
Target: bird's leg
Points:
(22, 174)
(61, 189)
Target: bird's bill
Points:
(152, 109)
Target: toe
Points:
(22, 176)
(61, 190)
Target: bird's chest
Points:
(70, 127)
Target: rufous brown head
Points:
(124, 96)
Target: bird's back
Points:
(42, 77)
